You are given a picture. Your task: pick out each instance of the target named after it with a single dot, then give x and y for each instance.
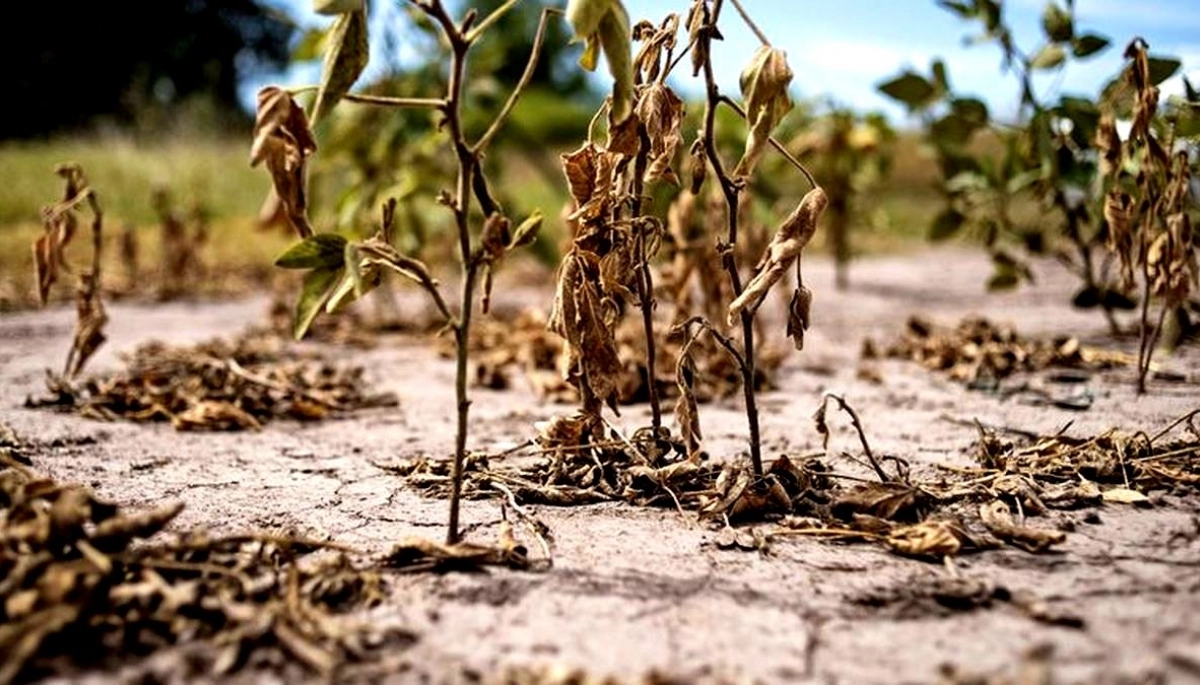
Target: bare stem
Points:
(461, 204)
(779, 147)
(526, 76)
(730, 191)
(862, 436)
(762, 37)
(644, 279)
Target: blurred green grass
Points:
(214, 172)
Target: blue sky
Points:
(843, 48)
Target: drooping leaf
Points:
(346, 55)
(764, 85)
(910, 89)
(661, 112)
(324, 250)
(799, 315)
(786, 245)
(317, 287)
(1049, 57)
(1089, 44)
(284, 142)
(603, 25)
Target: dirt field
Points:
(639, 590)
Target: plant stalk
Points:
(730, 191)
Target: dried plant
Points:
(340, 270)
(608, 266)
(60, 221)
(1148, 206)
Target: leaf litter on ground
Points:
(234, 384)
(84, 582)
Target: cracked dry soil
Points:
(634, 590)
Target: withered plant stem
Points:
(762, 38)
(862, 435)
(644, 280)
(730, 189)
(779, 147)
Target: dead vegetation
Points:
(218, 385)
(87, 583)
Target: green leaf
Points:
(1089, 44)
(527, 231)
(962, 9)
(309, 45)
(910, 88)
(941, 78)
(971, 110)
(346, 56)
(1162, 68)
(338, 6)
(318, 285)
(324, 250)
(946, 224)
(1048, 57)
(1057, 23)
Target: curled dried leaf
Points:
(284, 142)
(789, 241)
(661, 111)
(764, 84)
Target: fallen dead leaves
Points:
(980, 352)
(85, 582)
(218, 385)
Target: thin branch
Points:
(526, 76)
(862, 436)
(779, 147)
(381, 100)
(762, 37)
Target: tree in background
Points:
(80, 63)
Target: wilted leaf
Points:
(346, 55)
(799, 313)
(604, 25)
(998, 520)
(90, 320)
(661, 112)
(321, 251)
(764, 85)
(283, 141)
(788, 242)
(926, 539)
(1124, 496)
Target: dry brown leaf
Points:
(661, 111)
(999, 521)
(284, 142)
(764, 85)
(789, 241)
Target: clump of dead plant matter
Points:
(86, 582)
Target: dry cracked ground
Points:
(638, 590)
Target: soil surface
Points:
(638, 590)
